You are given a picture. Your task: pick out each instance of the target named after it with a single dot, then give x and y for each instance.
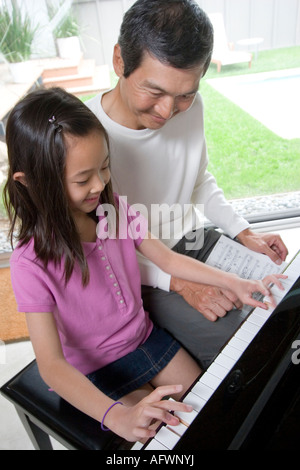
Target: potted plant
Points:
(17, 34)
(67, 34)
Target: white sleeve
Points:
(153, 276)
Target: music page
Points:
(230, 256)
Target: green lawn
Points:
(246, 158)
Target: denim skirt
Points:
(138, 367)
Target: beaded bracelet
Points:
(102, 426)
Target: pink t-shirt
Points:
(101, 322)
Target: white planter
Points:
(69, 48)
(20, 72)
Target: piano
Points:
(249, 397)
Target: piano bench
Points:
(44, 414)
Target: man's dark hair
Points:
(176, 32)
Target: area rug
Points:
(12, 323)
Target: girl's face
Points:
(87, 171)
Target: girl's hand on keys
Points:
(139, 422)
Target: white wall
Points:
(277, 21)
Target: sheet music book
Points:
(231, 256)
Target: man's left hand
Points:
(267, 243)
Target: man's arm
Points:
(212, 302)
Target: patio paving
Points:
(272, 98)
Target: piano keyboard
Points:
(167, 437)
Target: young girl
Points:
(94, 343)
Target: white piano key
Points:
(267, 300)
(265, 314)
(211, 380)
(232, 352)
(179, 429)
(286, 282)
(195, 401)
(137, 446)
(279, 293)
(238, 343)
(217, 370)
(272, 303)
(246, 335)
(186, 418)
(250, 328)
(256, 319)
(155, 445)
(167, 437)
(276, 299)
(225, 361)
(202, 390)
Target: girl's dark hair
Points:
(35, 137)
(176, 32)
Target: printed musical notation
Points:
(231, 256)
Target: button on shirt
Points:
(101, 322)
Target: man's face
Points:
(155, 92)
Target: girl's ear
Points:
(20, 177)
(118, 61)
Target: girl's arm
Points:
(67, 381)
(190, 269)
(130, 422)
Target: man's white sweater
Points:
(164, 173)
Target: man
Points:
(154, 118)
